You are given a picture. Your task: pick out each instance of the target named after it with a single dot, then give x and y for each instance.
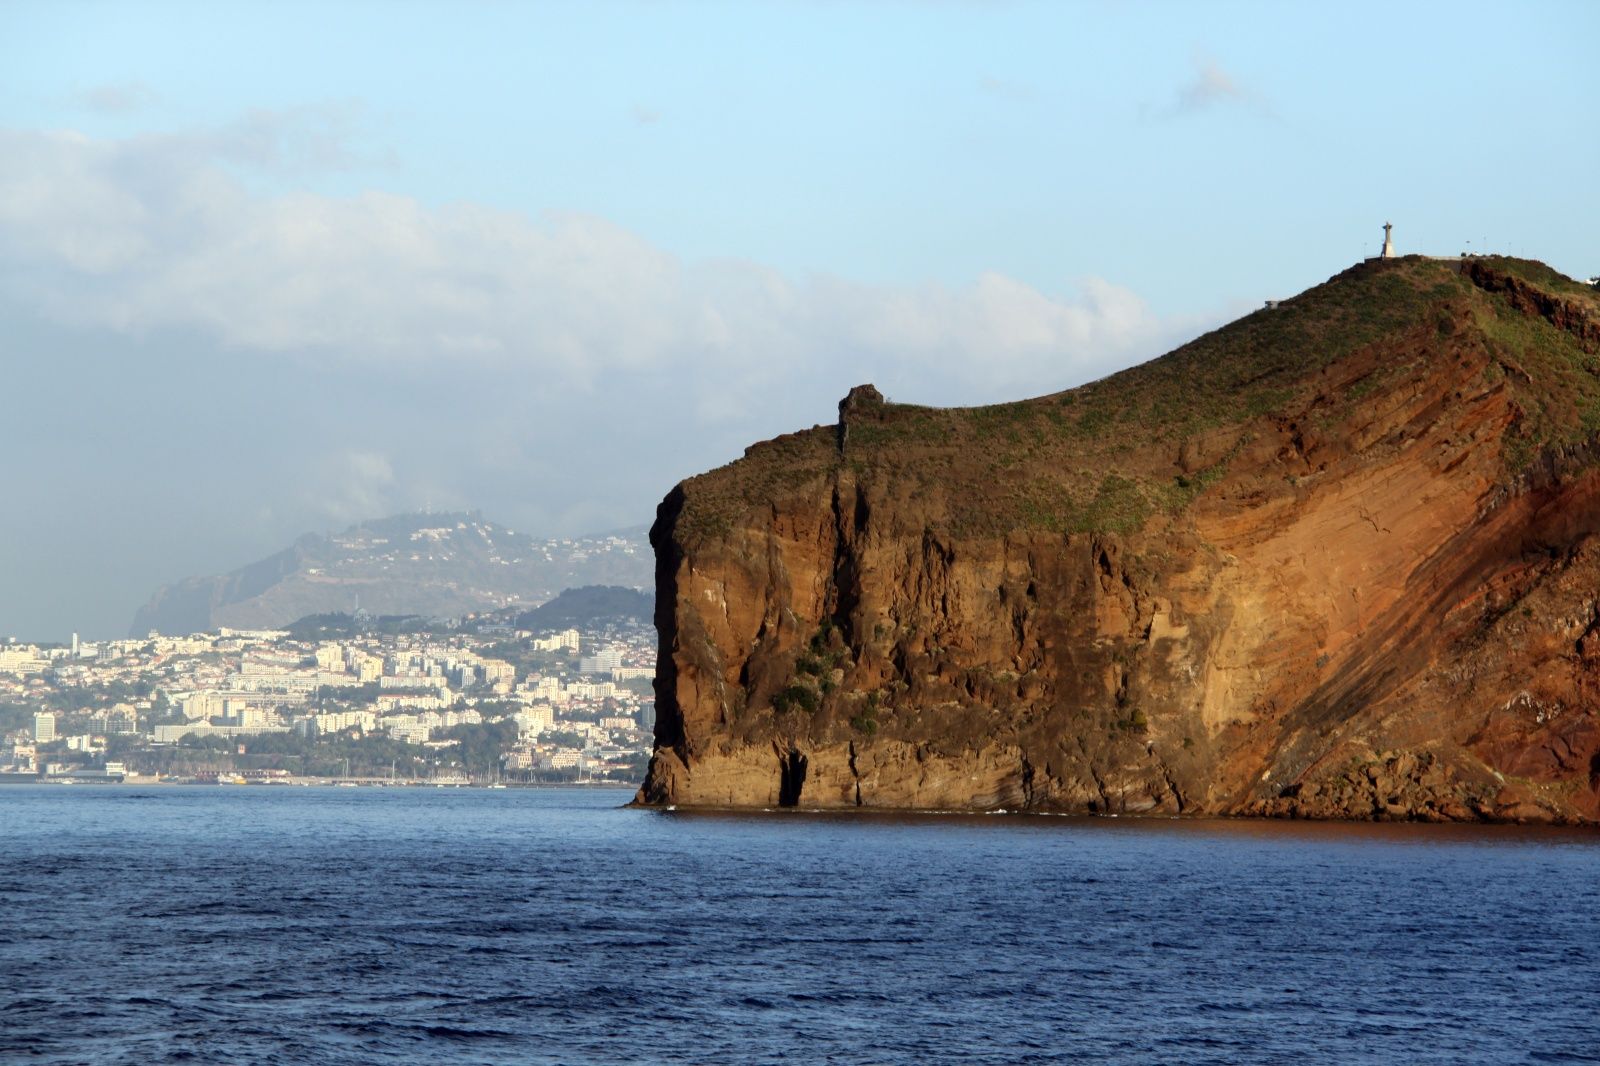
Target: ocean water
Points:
(287, 925)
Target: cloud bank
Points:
(262, 363)
(153, 233)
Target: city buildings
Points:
(492, 705)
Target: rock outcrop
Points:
(1338, 559)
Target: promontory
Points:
(1337, 559)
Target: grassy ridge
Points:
(1102, 457)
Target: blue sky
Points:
(595, 248)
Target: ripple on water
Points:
(177, 925)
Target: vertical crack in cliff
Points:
(855, 773)
(1021, 616)
(849, 523)
(1172, 784)
(791, 777)
(1094, 775)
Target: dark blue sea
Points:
(294, 925)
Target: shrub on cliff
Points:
(796, 696)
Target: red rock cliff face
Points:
(1336, 560)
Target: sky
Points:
(277, 268)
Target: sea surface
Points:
(322, 925)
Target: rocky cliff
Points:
(1337, 559)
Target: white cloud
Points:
(351, 486)
(1210, 87)
(150, 233)
(316, 360)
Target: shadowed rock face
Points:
(1335, 560)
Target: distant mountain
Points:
(589, 605)
(411, 564)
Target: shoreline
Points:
(315, 782)
(916, 813)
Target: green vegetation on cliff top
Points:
(1109, 455)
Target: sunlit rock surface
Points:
(1335, 560)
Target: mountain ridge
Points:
(425, 564)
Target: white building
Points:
(535, 719)
(546, 688)
(414, 683)
(367, 668)
(171, 734)
(339, 721)
(602, 662)
(567, 638)
(250, 717)
(389, 702)
(44, 727)
(561, 760)
(20, 659)
(410, 732)
(202, 706)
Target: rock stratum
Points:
(1337, 559)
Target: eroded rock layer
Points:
(1336, 560)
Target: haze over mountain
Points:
(421, 564)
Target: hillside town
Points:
(441, 704)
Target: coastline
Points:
(1142, 818)
(324, 782)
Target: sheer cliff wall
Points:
(1337, 559)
